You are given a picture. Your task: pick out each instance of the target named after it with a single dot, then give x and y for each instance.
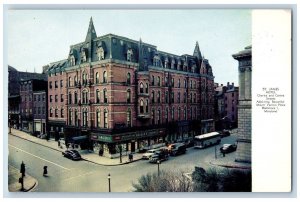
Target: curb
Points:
(33, 186)
(230, 166)
(82, 158)
(111, 164)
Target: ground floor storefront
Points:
(56, 129)
(39, 127)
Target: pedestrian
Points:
(45, 171)
(23, 169)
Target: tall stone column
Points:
(243, 153)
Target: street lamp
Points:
(158, 162)
(108, 177)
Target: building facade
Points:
(40, 113)
(57, 99)
(27, 91)
(226, 101)
(244, 58)
(125, 95)
(14, 99)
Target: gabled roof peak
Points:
(197, 52)
(91, 34)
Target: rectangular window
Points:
(56, 98)
(61, 97)
(50, 98)
(56, 86)
(61, 83)
(50, 84)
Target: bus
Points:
(208, 139)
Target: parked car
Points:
(149, 153)
(159, 156)
(72, 154)
(225, 133)
(227, 148)
(176, 149)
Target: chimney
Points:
(221, 84)
(232, 84)
(227, 84)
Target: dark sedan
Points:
(227, 148)
(72, 154)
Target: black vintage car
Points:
(227, 148)
(72, 154)
(159, 156)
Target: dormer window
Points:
(83, 55)
(72, 60)
(166, 63)
(129, 55)
(173, 63)
(100, 53)
(156, 61)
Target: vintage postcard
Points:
(148, 100)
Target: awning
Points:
(79, 139)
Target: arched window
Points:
(158, 97)
(98, 118)
(167, 97)
(128, 96)
(185, 113)
(85, 117)
(142, 106)
(100, 53)
(51, 112)
(141, 88)
(158, 116)
(105, 115)
(158, 80)
(75, 81)
(195, 98)
(184, 97)
(75, 98)
(147, 106)
(152, 97)
(185, 84)
(70, 98)
(105, 96)
(97, 96)
(147, 86)
(153, 116)
(76, 117)
(70, 82)
(179, 111)
(152, 80)
(172, 114)
(97, 78)
(70, 117)
(129, 55)
(178, 83)
(178, 97)
(128, 81)
(128, 117)
(104, 77)
(85, 97)
(167, 115)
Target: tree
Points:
(165, 182)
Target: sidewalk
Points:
(13, 181)
(86, 155)
(228, 161)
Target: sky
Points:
(38, 37)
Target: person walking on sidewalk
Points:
(45, 171)
(22, 170)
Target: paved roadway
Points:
(82, 176)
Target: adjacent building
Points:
(244, 58)
(226, 101)
(14, 98)
(29, 91)
(117, 94)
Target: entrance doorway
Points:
(132, 146)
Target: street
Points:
(65, 175)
